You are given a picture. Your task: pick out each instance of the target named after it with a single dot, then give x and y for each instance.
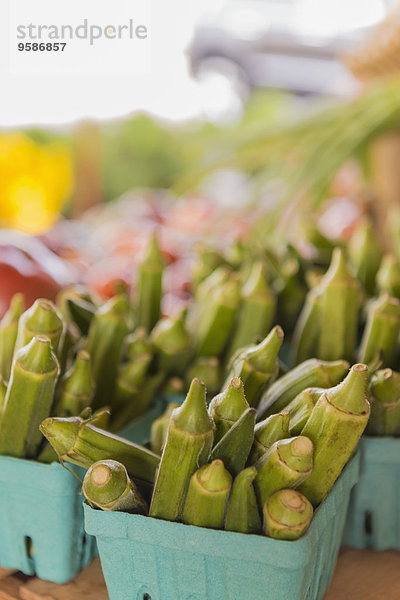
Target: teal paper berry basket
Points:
(374, 509)
(150, 559)
(41, 520)
(41, 514)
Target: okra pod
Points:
(207, 496)
(173, 344)
(301, 407)
(207, 369)
(340, 300)
(78, 441)
(81, 313)
(138, 343)
(381, 334)
(187, 447)
(365, 254)
(266, 433)
(149, 286)
(42, 318)
(216, 318)
(76, 390)
(286, 515)
(388, 276)
(308, 326)
(207, 260)
(227, 407)
(233, 449)
(310, 373)
(159, 429)
(242, 512)
(29, 398)
(257, 366)
(285, 465)
(130, 401)
(385, 404)
(106, 485)
(256, 312)
(335, 427)
(8, 334)
(104, 344)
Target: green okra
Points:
(76, 390)
(388, 276)
(187, 447)
(130, 401)
(301, 407)
(3, 391)
(257, 366)
(216, 319)
(8, 334)
(233, 449)
(291, 293)
(216, 279)
(256, 312)
(78, 441)
(207, 496)
(173, 344)
(104, 344)
(286, 515)
(29, 398)
(138, 343)
(385, 403)
(227, 407)
(266, 433)
(365, 254)
(81, 313)
(335, 427)
(207, 369)
(308, 326)
(340, 301)
(149, 286)
(310, 373)
(285, 465)
(106, 485)
(381, 333)
(159, 428)
(42, 318)
(207, 260)
(242, 511)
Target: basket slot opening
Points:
(29, 547)
(368, 523)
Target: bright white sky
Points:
(167, 92)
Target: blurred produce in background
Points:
(292, 169)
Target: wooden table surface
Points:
(360, 575)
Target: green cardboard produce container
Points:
(150, 559)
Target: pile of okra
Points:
(269, 419)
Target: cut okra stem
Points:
(42, 318)
(285, 465)
(207, 496)
(107, 486)
(287, 515)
